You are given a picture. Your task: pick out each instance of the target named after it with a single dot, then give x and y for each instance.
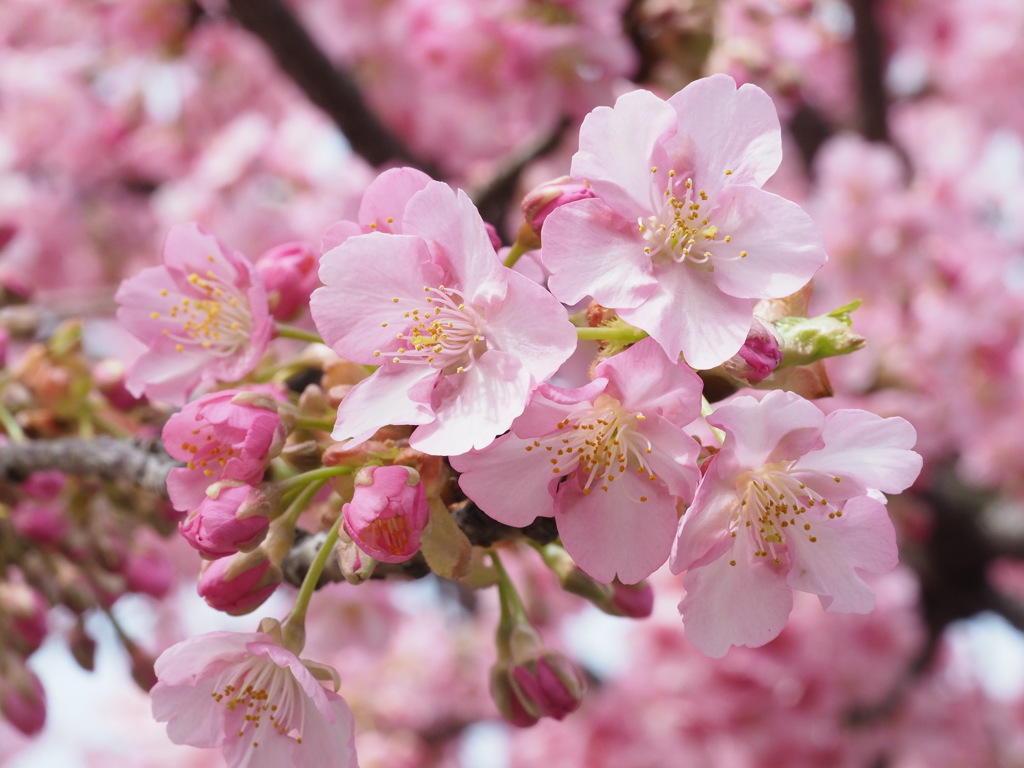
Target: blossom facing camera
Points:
(388, 513)
(791, 501)
(460, 340)
(609, 461)
(203, 314)
(254, 699)
(680, 239)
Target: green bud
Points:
(807, 339)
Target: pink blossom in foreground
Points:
(461, 341)
(289, 274)
(681, 239)
(227, 435)
(203, 314)
(789, 502)
(257, 701)
(388, 513)
(609, 461)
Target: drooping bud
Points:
(635, 601)
(25, 610)
(388, 513)
(82, 645)
(22, 699)
(239, 584)
(233, 517)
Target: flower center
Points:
(259, 691)
(441, 331)
(602, 442)
(681, 230)
(216, 316)
(769, 505)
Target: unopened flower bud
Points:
(289, 273)
(548, 685)
(759, 356)
(543, 199)
(806, 339)
(25, 610)
(233, 517)
(22, 699)
(239, 584)
(635, 601)
(82, 646)
(388, 513)
(110, 376)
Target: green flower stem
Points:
(605, 333)
(705, 411)
(302, 500)
(291, 332)
(515, 253)
(294, 624)
(323, 473)
(324, 425)
(512, 610)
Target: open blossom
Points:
(681, 239)
(609, 461)
(461, 340)
(789, 502)
(203, 315)
(226, 435)
(256, 700)
(388, 512)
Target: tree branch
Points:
(142, 465)
(869, 50)
(333, 90)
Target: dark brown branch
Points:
(493, 200)
(870, 53)
(110, 458)
(330, 88)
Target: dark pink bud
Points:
(492, 233)
(239, 584)
(25, 609)
(543, 199)
(43, 521)
(109, 376)
(44, 485)
(759, 356)
(550, 685)
(148, 570)
(289, 272)
(633, 600)
(233, 517)
(388, 512)
(22, 699)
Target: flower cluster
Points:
(449, 378)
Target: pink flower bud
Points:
(759, 356)
(42, 521)
(147, 569)
(22, 699)
(289, 272)
(82, 646)
(635, 601)
(25, 609)
(550, 685)
(388, 512)
(233, 517)
(543, 199)
(239, 584)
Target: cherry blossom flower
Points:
(227, 435)
(789, 502)
(388, 512)
(609, 461)
(203, 314)
(461, 341)
(256, 700)
(681, 240)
